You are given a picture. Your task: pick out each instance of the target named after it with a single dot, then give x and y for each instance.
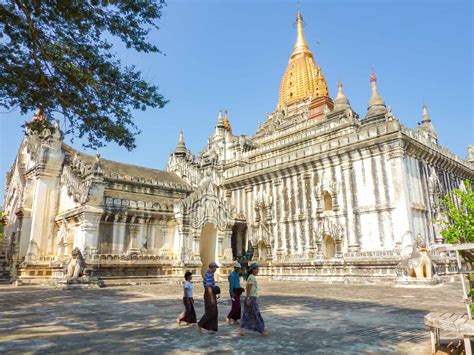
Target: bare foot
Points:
(227, 320)
(178, 321)
(241, 332)
(265, 333)
(199, 329)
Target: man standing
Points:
(235, 291)
(209, 319)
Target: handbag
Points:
(216, 290)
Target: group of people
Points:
(251, 318)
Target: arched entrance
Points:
(208, 246)
(238, 242)
(329, 247)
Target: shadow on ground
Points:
(143, 320)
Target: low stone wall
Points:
(124, 271)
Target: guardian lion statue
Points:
(418, 264)
(76, 265)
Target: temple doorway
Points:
(208, 246)
(329, 247)
(238, 241)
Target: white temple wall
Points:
(66, 202)
(43, 212)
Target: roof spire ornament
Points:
(39, 114)
(341, 102)
(426, 117)
(180, 147)
(301, 46)
(220, 121)
(227, 122)
(376, 104)
(427, 126)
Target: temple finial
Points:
(373, 79)
(339, 89)
(300, 45)
(180, 147)
(39, 114)
(376, 104)
(227, 122)
(425, 115)
(341, 102)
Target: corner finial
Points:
(341, 102)
(227, 122)
(180, 147)
(425, 114)
(373, 79)
(39, 114)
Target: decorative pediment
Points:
(204, 206)
(331, 228)
(77, 187)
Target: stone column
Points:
(349, 188)
(196, 240)
(225, 246)
(248, 198)
(402, 213)
(43, 212)
(277, 218)
(285, 248)
(309, 252)
(299, 199)
(88, 234)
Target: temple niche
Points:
(318, 192)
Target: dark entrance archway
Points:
(238, 240)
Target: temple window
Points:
(327, 201)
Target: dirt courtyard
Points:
(303, 317)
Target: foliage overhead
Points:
(58, 56)
(459, 208)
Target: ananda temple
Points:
(318, 192)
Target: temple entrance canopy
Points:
(205, 225)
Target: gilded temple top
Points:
(303, 77)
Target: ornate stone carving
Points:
(77, 186)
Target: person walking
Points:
(209, 319)
(235, 291)
(189, 314)
(252, 319)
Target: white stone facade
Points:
(317, 192)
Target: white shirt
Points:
(188, 289)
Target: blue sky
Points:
(232, 54)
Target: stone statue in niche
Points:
(76, 265)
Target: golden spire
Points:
(227, 122)
(301, 46)
(303, 77)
